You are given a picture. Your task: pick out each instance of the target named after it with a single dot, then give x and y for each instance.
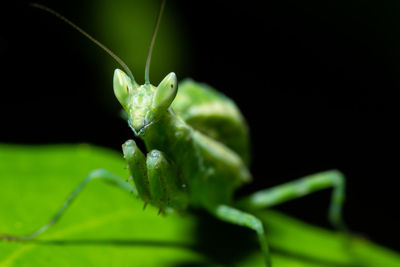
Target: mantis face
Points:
(144, 104)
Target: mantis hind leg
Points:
(273, 196)
(100, 174)
(241, 218)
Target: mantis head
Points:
(144, 104)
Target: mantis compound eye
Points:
(165, 93)
(123, 87)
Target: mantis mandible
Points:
(197, 153)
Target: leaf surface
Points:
(108, 227)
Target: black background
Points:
(316, 80)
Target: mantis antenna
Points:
(105, 48)
(153, 38)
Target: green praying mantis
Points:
(197, 153)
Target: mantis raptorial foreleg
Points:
(165, 185)
(100, 174)
(276, 195)
(156, 180)
(137, 165)
(241, 218)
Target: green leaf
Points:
(108, 227)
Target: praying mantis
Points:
(197, 153)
